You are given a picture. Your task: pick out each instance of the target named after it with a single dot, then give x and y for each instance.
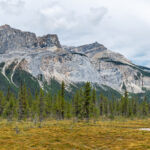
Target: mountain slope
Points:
(114, 69)
(38, 60)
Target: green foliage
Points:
(5, 84)
(10, 109)
(78, 104)
(9, 70)
(84, 105)
(87, 100)
(41, 105)
(2, 103)
(23, 103)
(1, 65)
(28, 79)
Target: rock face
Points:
(89, 48)
(49, 41)
(114, 70)
(13, 40)
(44, 58)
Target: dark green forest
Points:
(84, 104)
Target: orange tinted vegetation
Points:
(66, 135)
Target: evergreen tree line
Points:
(84, 105)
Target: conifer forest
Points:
(84, 105)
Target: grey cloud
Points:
(97, 14)
(69, 24)
(119, 26)
(12, 6)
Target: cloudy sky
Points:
(121, 25)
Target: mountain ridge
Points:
(14, 39)
(44, 58)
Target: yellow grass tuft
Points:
(66, 135)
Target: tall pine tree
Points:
(87, 100)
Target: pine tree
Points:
(20, 113)
(41, 105)
(2, 103)
(106, 106)
(34, 110)
(130, 109)
(62, 103)
(144, 107)
(30, 103)
(48, 105)
(57, 106)
(149, 108)
(101, 106)
(23, 103)
(93, 104)
(10, 108)
(87, 100)
(134, 105)
(124, 103)
(68, 109)
(76, 104)
(111, 109)
(8, 94)
(63, 89)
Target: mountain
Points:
(42, 62)
(114, 70)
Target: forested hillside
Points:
(85, 104)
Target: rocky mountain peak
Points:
(6, 26)
(88, 48)
(16, 40)
(91, 46)
(13, 39)
(49, 40)
(96, 44)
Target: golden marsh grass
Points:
(66, 135)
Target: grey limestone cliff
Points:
(13, 39)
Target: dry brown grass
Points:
(64, 135)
